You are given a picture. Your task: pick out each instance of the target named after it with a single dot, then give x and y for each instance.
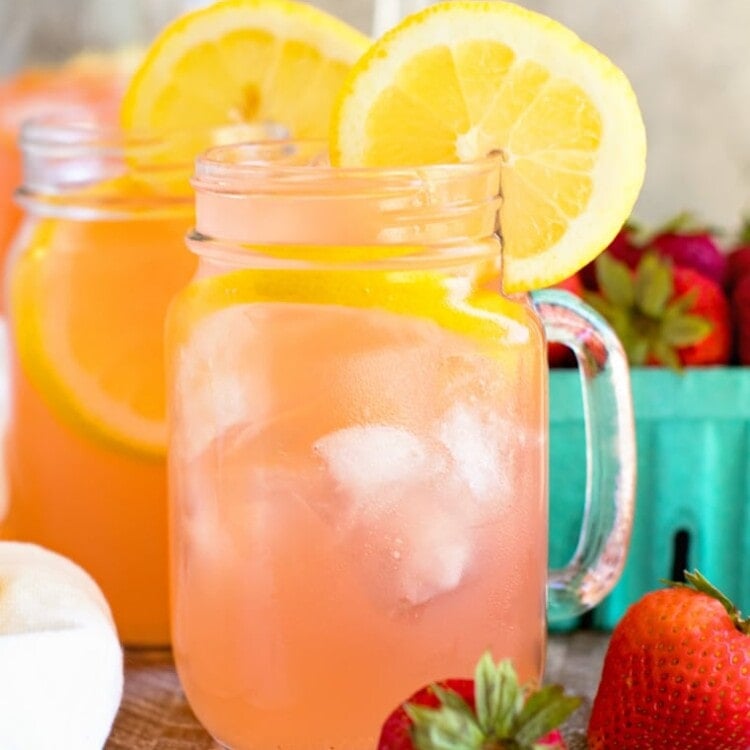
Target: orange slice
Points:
(244, 61)
(461, 79)
(89, 301)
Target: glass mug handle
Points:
(602, 547)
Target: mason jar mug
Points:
(358, 446)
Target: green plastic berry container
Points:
(693, 497)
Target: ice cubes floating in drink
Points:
(396, 436)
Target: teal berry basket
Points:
(693, 496)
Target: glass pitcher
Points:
(93, 266)
(358, 446)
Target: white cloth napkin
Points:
(61, 670)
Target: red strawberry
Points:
(557, 354)
(688, 246)
(445, 715)
(711, 304)
(664, 314)
(676, 675)
(623, 247)
(741, 319)
(738, 260)
(738, 266)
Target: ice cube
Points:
(435, 555)
(368, 459)
(473, 439)
(215, 389)
(406, 524)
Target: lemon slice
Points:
(89, 301)
(485, 316)
(244, 61)
(462, 79)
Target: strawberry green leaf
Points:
(510, 699)
(615, 280)
(664, 354)
(602, 306)
(508, 716)
(544, 711)
(617, 317)
(452, 699)
(683, 223)
(654, 285)
(636, 348)
(488, 692)
(682, 305)
(685, 330)
(443, 729)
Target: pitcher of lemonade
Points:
(92, 270)
(358, 444)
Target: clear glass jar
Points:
(358, 446)
(93, 267)
(65, 59)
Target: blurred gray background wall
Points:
(687, 60)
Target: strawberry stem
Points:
(698, 582)
(683, 223)
(508, 716)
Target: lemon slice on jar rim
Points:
(462, 79)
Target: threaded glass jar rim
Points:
(284, 193)
(82, 167)
(299, 166)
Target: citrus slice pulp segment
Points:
(240, 61)
(89, 301)
(462, 79)
(484, 316)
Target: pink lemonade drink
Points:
(358, 447)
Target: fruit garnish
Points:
(690, 245)
(460, 80)
(90, 344)
(421, 293)
(676, 674)
(663, 314)
(491, 712)
(244, 61)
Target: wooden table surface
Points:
(155, 716)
